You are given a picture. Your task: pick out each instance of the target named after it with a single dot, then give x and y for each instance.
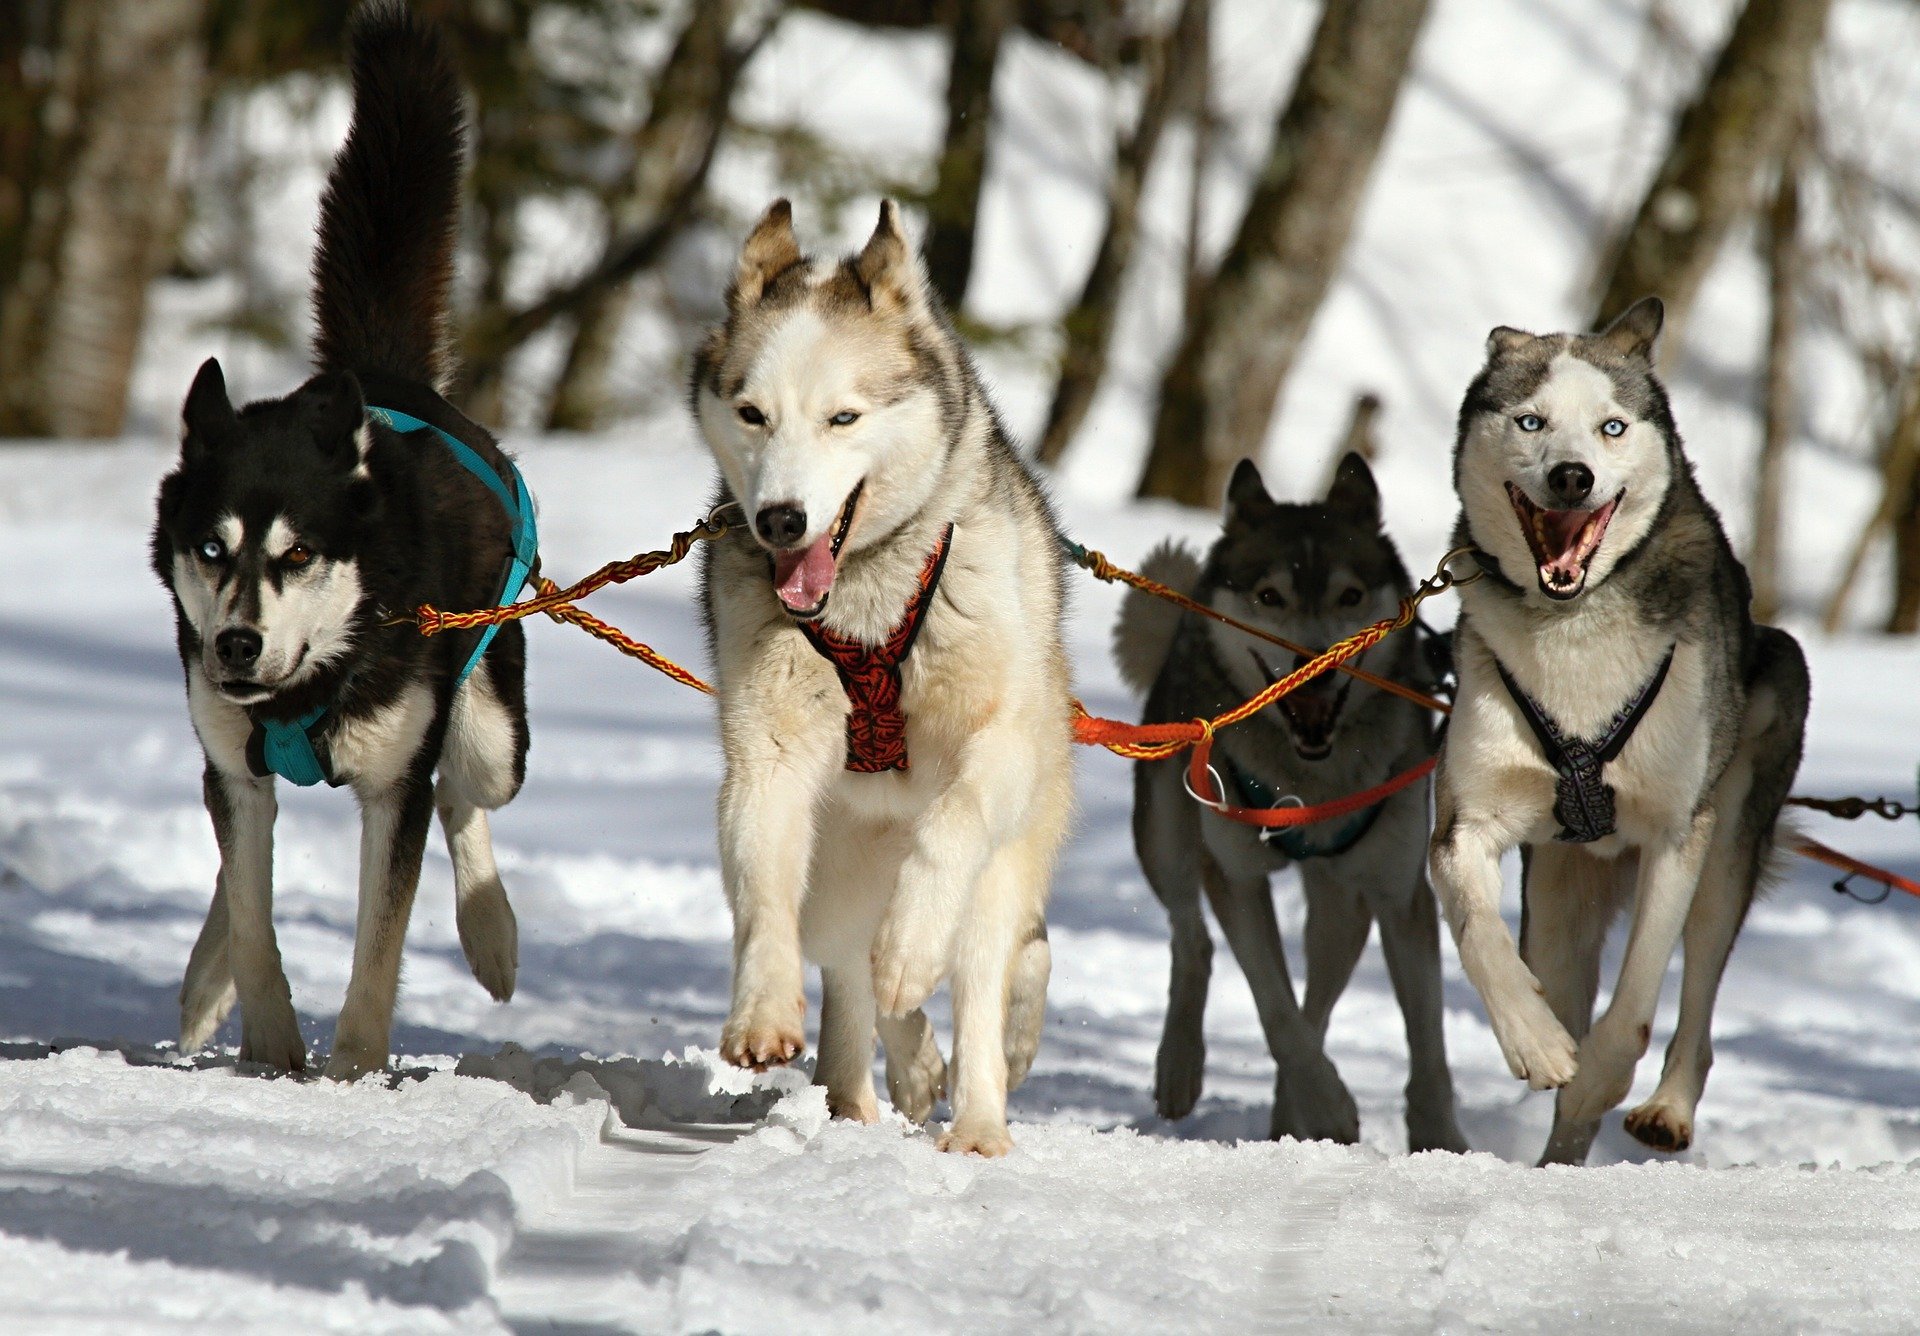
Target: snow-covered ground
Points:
(576, 1160)
(135, 1187)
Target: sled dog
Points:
(1313, 574)
(292, 534)
(893, 690)
(1620, 716)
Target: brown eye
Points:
(296, 556)
(1350, 598)
(1270, 597)
(752, 416)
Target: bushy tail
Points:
(384, 268)
(1144, 634)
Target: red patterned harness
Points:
(870, 675)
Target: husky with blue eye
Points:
(295, 534)
(1620, 717)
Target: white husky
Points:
(894, 701)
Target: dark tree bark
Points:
(1903, 507)
(1088, 327)
(1737, 125)
(977, 28)
(1783, 255)
(1220, 392)
(688, 110)
(88, 224)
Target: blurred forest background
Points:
(158, 159)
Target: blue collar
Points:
(296, 749)
(1293, 841)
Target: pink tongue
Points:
(802, 579)
(1562, 529)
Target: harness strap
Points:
(296, 749)
(870, 674)
(1583, 800)
(1294, 842)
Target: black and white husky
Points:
(296, 532)
(1314, 573)
(1619, 715)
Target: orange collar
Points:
(870, 674)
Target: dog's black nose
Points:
(1570, 483)
(781, 525)
(238, 647)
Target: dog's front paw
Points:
(1661, 1126)
(490, 938)
(350, 1061)
(1320, 1105)
(917, 1078)
(1537, 1046)
(1605, 1075)
(991, 1140)
(910, 957)
(765, 1035)
(861, 1108)
(1179, 1073)
(273, 1040)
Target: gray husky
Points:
(1619, 715)
(1313, 574)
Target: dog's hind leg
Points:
(243, 812)
(1663, 894)
(1027, 1002)
(1166, 836)
(1410, 940)
(1747, 799)
(207, 994)
(1339, 922)
(1569, 899)
(393, 837)
(985, 958)
(845, 1066)
(1310, 1101)
(481, 766)
(916, 1073)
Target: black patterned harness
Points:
(1583, 801)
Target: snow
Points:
(579, 1160)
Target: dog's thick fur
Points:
(840, 390)
(1581, 628)
(1313, 574)
(298, 528)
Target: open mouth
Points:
(1312, 709)
(1563, 541)
(803, 577)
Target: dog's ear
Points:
(1246, 494)
(1354, 493)
(888, 266)
(770, 251)
(1503, 339)
(1634, 330)
(336, 414)
(207, 417)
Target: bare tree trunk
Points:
(690, 100)
(1221, 390)
(1783, 295)
(100, 205)
(977, 26)
(1899, 506)
(1738, 124)
(1193, 279)
(1088, 327)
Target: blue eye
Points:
(846, 417)
(1614, 427)
(212, 550)
(1530, 421)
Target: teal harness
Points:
(1293, 840)
(295, 749)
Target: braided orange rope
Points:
(1097, 565)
